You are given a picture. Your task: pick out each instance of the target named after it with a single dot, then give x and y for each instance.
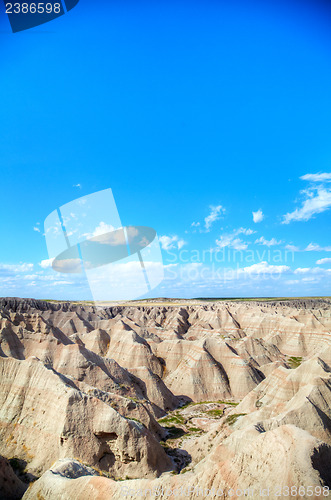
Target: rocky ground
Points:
(190, 399)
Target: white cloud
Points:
(326, 260)
(70, 266)
(320, 177)
(229, 240)
(258, 216)
(314, 247)
(302, 270)
(268, 243)
(232, 241)
(215, 214)
(317, 199)
(77, 186)
(264, 268)
(46, 264)
(36, 229)
(292, 248)
(195, 224)
(56, 283)
(103, 228)
(312, 270)
(16, 268)
(170, 242)
(243, 230)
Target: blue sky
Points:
(186, 110)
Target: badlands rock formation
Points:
(205, 399)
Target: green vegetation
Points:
(135, 400)
(192, 403)
(295, 361)
(173, 419)
(186, 469)
(228, 403)
(215, 413)
(232, 419)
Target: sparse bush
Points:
(232, 419)
(172, 419)
(215, 413)
(294, 361)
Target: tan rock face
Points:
(44, 417)
(83, 387)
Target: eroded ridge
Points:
(98, 402)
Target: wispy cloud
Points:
(171, 242)
(258, 216)
(317, 199)
(268, 243)
(320, 177)
(16, 268)
(231, 240)
(326, 260)
(292, 248)
(79, 186)
(314, 247)
(313, 270)
(214, 215)
(37, 229)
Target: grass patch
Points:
(173, 419)
(232, 419)
(231, 403)
(135, 400)
(215, 413)
(295, 361)
(192, 403)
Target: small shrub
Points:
(295, 361)
(231, 403)
(172, 419)
(215, 413)
(232, 419)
